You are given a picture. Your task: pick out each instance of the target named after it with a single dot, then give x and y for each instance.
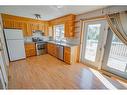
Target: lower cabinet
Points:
(52, 49)
(70, 53)
(67, 55)
(30, 49)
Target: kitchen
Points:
(35, 45)
(35, 41)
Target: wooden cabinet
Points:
(70, 54)
(12, 24)
(46, 28)
(69, 23)
(29, 30)
(49, 48)
(69, 28)
(52, 49)
(30, 49)
(67, 54)
(26, 24)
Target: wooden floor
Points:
(47, 72)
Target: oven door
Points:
(41, 49)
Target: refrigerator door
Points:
(13, 34)
(16, 49)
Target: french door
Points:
(115, 56)
(102, 49)
(93, 42)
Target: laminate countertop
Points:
(63, 44)
(53, 42)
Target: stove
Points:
(41, 46)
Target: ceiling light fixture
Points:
(37, 16)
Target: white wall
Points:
(96, 13)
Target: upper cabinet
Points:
(26, 24)
(69, 23)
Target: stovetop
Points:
(40, 42)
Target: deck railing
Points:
(118, 49)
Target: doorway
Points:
(93, 39)
(101, 48)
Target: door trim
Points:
(83, 38)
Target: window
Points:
(59, 32)
(115, 56)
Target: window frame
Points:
(60, 35)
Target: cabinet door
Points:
(49, 46)
(24, 28)
(41, 27)
(69, 30)
(46, 29)
(29, 29)
(50, 30)
(35, 26)
(67, 55)
(17, 25)
(66, 30)
(30, 49)
(8, 24)
(54, 50)
(30, 52)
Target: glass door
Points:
(92, 42)
(115, 56)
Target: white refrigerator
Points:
(15, 44)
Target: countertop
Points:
(29, 42)
(53, 42)
(63, 44)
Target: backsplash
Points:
(72, 40)
(37, 34)
(28, 39)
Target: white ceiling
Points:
(47, 12)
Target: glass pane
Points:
(92, 41)
(59, 32)
(118, 55)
